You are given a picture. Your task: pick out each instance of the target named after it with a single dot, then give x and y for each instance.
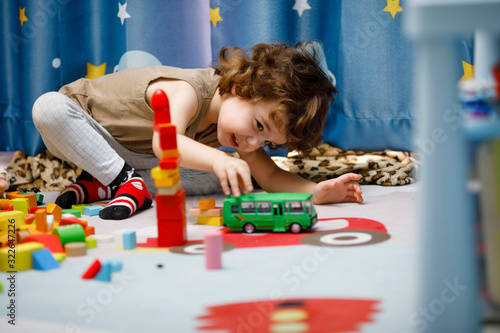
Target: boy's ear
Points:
(233, 89)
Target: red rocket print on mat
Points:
(314, 315)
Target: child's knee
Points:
(46, 108)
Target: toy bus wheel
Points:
(295, 228)
(249, 228)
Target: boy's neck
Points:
(212, 115)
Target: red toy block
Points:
(168, 136)
(171, 207)
(92, 271)
(51, 242)
(169, 163)
(28, 219)
(73, 220)
(161, 107)
(171, 233)
(89, 230)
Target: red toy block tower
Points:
(170, 198)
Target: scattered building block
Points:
(206, 204)
(75, 249)
(196, 212)
(116, 265)
(213, 249)
(11, 217)
(104, 273)
(31, 197)
(55, 210)
(39, 199)
(74, 212)
(211, 220)
(79, 207)
(21, 236)
(91, 242)
(21, 204)
(5, 204)
(89, 230)
(92, 271)
(59, 256)
(51, 242)
(73, 220)
(43, 260)
(103, 239)
(41, 220)
(129, 240)
(23, 260)
(92, 210)
(29, 219)
(70, 233)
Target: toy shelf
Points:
(446, 211)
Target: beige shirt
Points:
(118, 103)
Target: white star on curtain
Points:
(300, 6)
(122, 12)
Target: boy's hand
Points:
(233, 174)
(341, 189)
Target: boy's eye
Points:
(259, 126)
(267, 142)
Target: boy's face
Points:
(246, 126)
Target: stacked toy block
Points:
(170, 197)
(207, 213)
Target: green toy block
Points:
(72, 211)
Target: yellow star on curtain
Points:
(468, 71)
(393, 7)
(215, 16)
(22, 15)
(95, 71)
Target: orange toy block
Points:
(196, 212)
(29, 219)
(89, 230)
(31, 197)
(51, 242)
(169, 153)
(5, 204)
(41, 220)
(206, 204)
(73, 220)
(55, 210)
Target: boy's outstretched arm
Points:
(274, 179)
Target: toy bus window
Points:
(264, 207)
(235, 209)
(295, 207)
(308, 206)
(248, 207)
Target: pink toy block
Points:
(213, 249)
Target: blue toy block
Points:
(91, 210)
(105, 272)
(129, 240)
(43, 260)
(116, 265)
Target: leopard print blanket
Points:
(46, 173)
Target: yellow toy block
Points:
(167, 182)
(169, 153)
(196, 212)
(206, 204)
(21, 204)
(157, 173)
(14, 218)
(31, 197)
(59, 256)
(54, 210)
(22, 259)
(79, 207)
(211, 220)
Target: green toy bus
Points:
(277, 212)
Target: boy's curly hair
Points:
(289, 75)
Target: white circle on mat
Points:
(353, 238)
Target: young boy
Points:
(274, 96)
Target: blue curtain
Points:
(49, 43)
